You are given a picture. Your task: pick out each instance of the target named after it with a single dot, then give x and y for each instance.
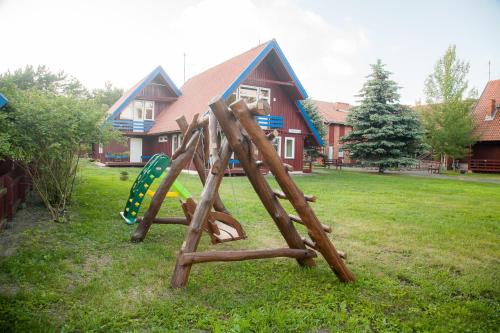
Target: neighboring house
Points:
(146, 113)
(485, 154)
(335, 116)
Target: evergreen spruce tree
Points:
(385, 133)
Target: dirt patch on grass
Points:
(31, 215)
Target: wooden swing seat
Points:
(220, 226)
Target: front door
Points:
(330, 152)
(135, 150)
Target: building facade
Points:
(146, 113)
(335, 116)
(485, 153)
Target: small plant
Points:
(123, 175)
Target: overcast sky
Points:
(330, 44)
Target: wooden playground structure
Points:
(241, 135)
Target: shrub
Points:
(46, 133)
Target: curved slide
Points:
(152, 170)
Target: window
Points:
(277, 145)
(290, 148)
(176, 142)
(250, 94)
(163, 138)
(101, 148)
(149, 110)
(138, 110)
(127, 112)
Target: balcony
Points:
(129, 125)
(270, 122)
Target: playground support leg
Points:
(243, 149)
(199, 165)
(179, 163)
(181, 273)
(292, 192)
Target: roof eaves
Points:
(316, 135)
(157, 71)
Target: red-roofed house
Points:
(335, 116)
(485, 154)
(146, 113)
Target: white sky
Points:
(330, 44)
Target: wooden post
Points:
(243, 149)
(292, 192)
(179, 163)
(198, 162)
(207, 198)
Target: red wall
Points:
(488, 150)
(335, 133)
(282, 105)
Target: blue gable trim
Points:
(273, 45)
(157, 71)
(318, 138)
(3, 100)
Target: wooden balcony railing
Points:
(129, 125)
(485, 165)
(270, 122)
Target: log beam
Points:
(292, 192)
(309, 243)
(297, 219)
(176, 167)
(198, 162)
(281, 195)
(201, 213)
(167, 220)
(242, 147)
(210, 256)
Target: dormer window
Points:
(139, 110)
(494, 107)
(250, 94)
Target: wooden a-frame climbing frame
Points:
(220, 225)
(241, 133)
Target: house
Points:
(485, 153)
(335, 116)
(146, 113)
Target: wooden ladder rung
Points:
(297, 219)
(281, 195)
(309, 243)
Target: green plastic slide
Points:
(152, 170)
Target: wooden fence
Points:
(14, 187)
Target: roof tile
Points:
(488, 130)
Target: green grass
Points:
(493, 176)
(425, 252)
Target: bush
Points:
(46, 133)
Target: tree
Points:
(447, 120)
(316, 118)
(43, 79)
(45, 132)
(385, 133)
(318, 122)
(107, 96)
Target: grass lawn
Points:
(426, 253)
